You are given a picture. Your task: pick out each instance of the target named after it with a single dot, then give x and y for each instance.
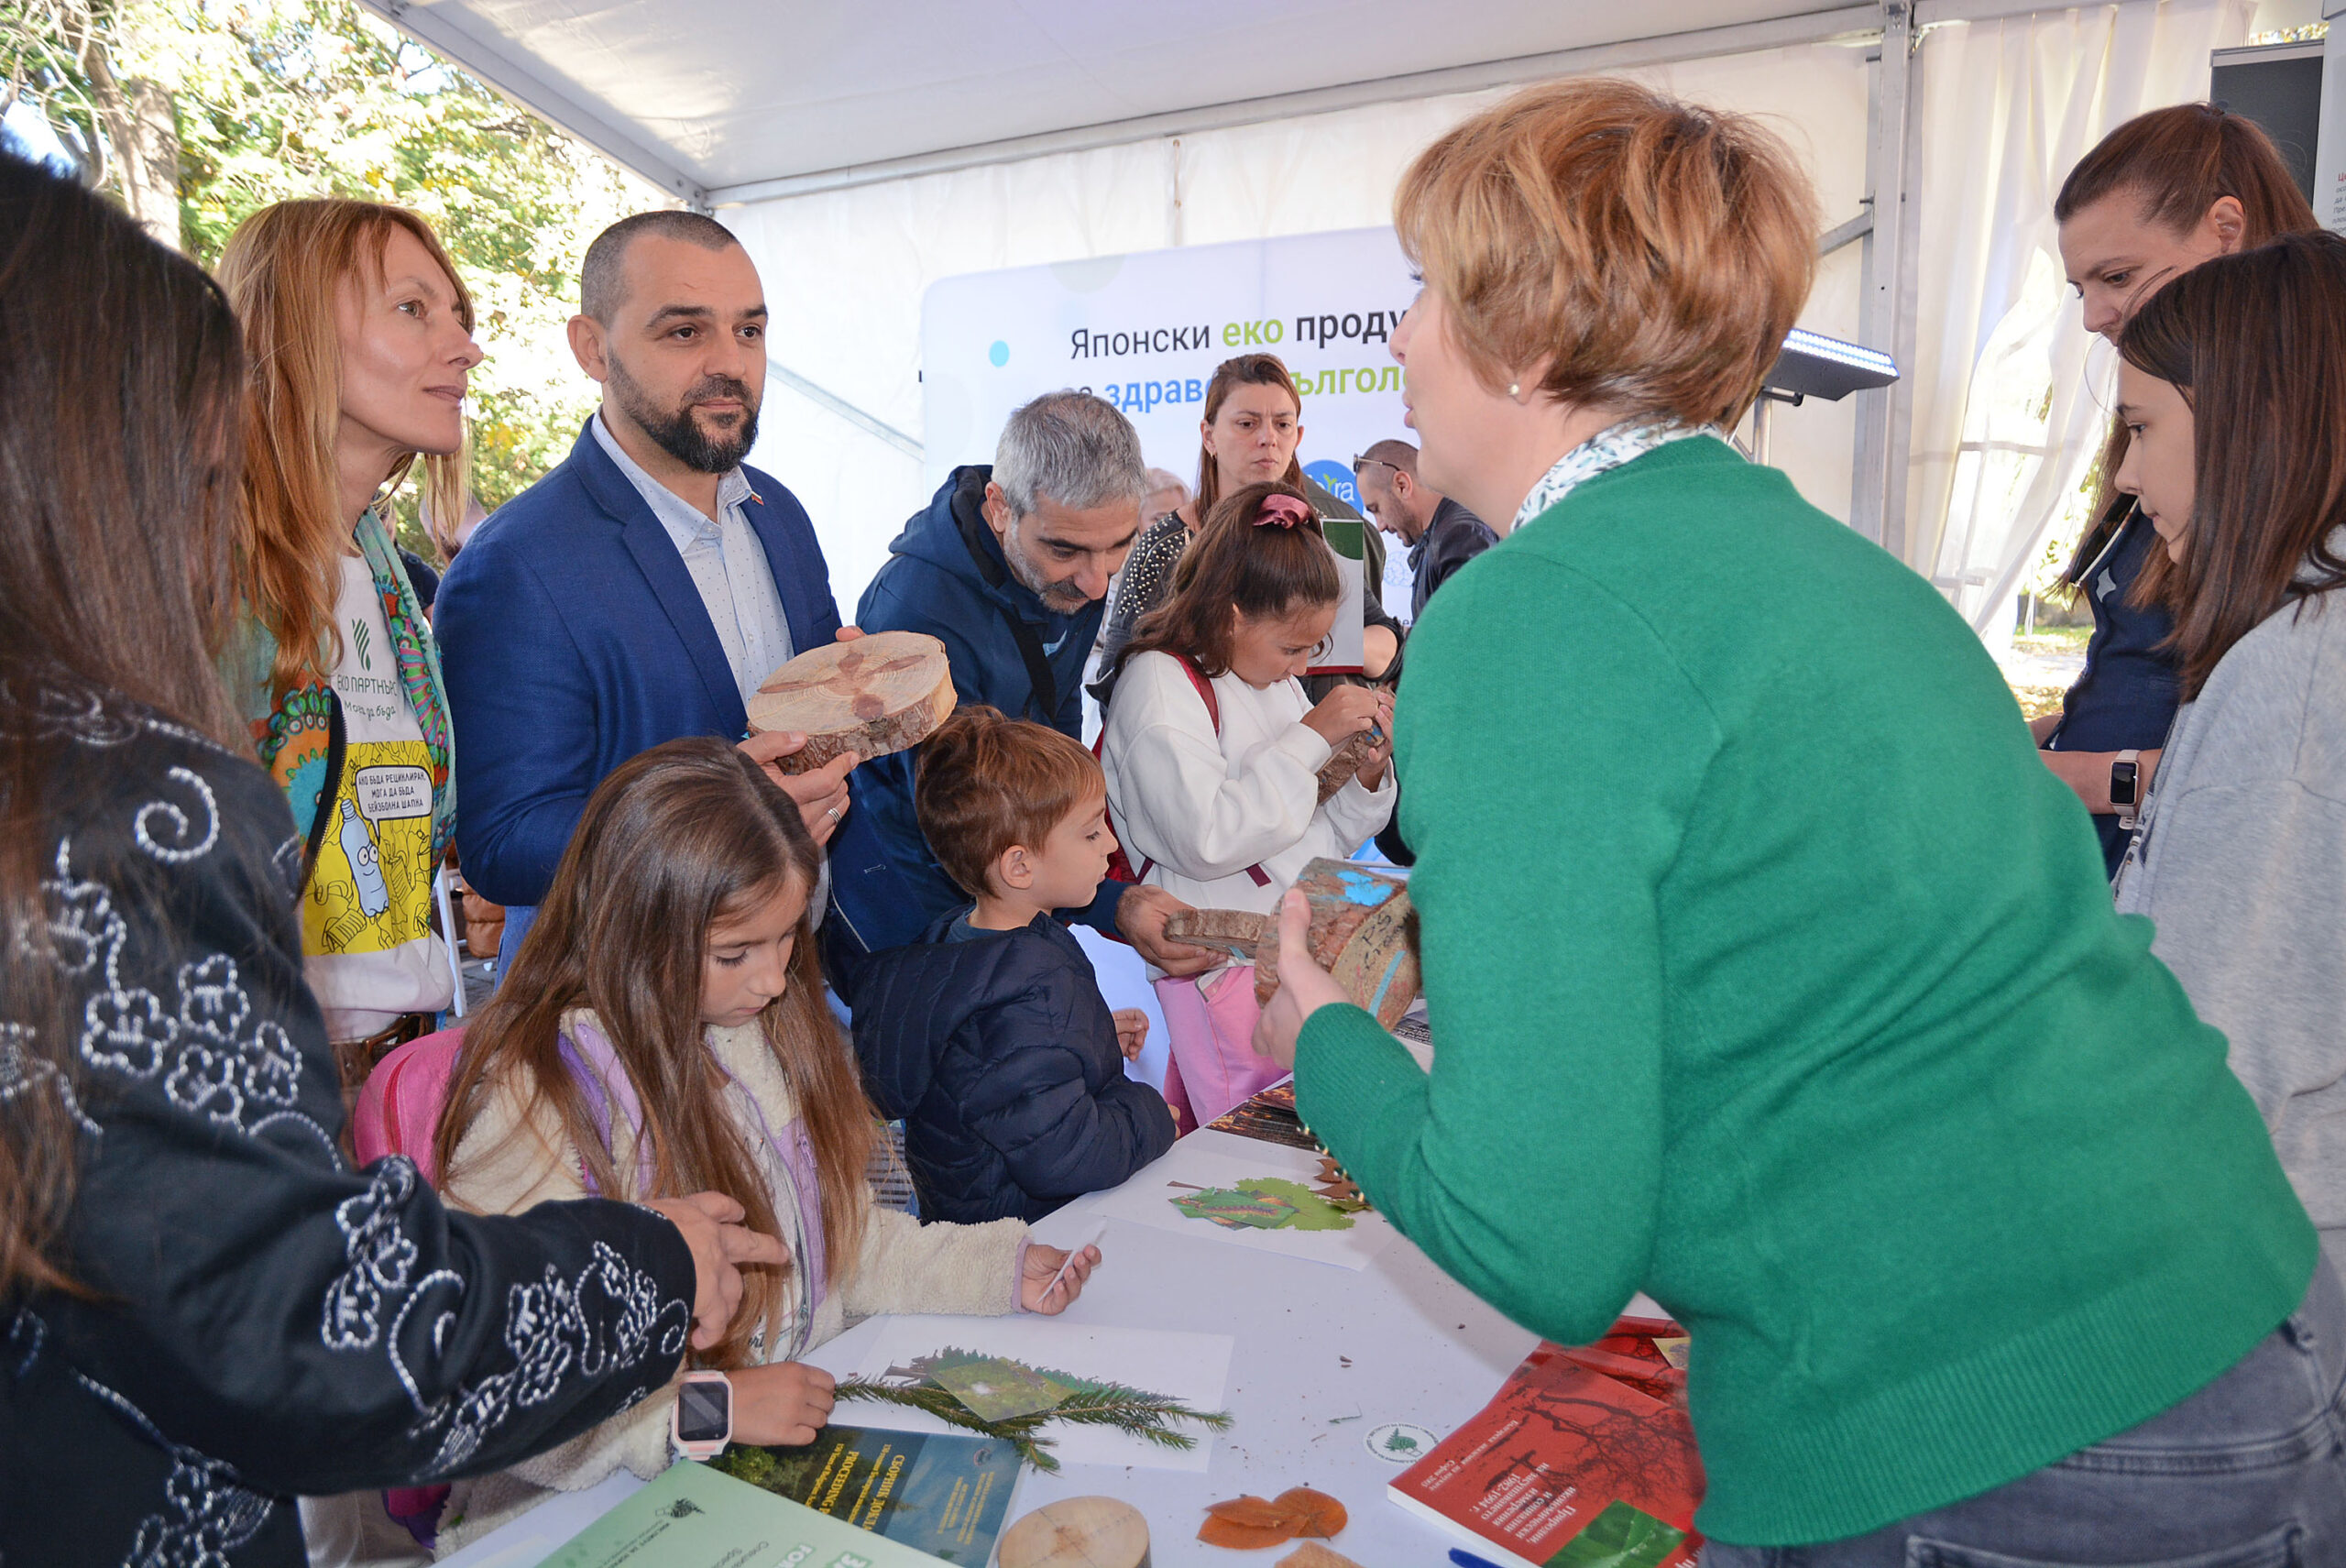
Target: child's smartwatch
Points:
(701, 1424)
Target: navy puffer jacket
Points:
(999, 1054)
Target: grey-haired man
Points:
(1008, 565)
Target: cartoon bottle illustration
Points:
(373, 896)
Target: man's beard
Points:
(1060, 599)
(678, 433)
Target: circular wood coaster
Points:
(1076, 1533)
(873, 695)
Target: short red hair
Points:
(1653, 253)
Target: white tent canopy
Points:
(862, 152)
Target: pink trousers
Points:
(1209, 1025)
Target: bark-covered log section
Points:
(871, 695)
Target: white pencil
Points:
(1098, 1230)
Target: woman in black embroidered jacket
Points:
(203, 1311)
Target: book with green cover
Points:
(947, 1496)
(693, 1516)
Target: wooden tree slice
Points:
(1076, 1533)
(873, 695)
(1232, 931)
(1343, 763)
(1361, 933)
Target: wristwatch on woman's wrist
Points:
(2125, 785)
(701, 1422)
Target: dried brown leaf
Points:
(1244, 1536)
(1316, 1513)
(1252, 1511)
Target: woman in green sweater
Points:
(1770, 972)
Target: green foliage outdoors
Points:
(274, 99)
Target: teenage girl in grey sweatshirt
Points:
(2233, 381)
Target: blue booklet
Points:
(946, 1495)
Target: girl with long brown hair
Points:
(2232, 385)
(361, 335)
(2157, 196)
(1250, 432)
(663, 1030)
(207, 1311)
(1214, 753)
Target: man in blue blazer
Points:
(646, 587)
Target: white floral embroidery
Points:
(210, 1513)
(379, 1256)
(24, 1071)
(216, 1060)
(180, 852)
(1608, 448)
(611, 1317)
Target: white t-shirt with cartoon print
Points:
(366, 919)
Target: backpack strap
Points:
(1204, 689)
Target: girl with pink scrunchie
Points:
(1213, 753)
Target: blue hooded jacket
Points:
(945, 575)
(999, 1054)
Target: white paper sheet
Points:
(1192, 1369)
(1147, 1200)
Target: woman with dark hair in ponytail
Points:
(206, 1312)
(2159, 196)
(2232, 387)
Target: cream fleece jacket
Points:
(510, 1162)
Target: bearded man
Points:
(646, 587)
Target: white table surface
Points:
(1324, 1355)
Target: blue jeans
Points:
(2248, 1473)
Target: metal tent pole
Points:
(1878, 497)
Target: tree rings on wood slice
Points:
(1361, 932)
(1231, 931)
(871, 696)
(1076, 1533)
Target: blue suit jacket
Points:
(572, 638)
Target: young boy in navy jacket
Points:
(989, 1036)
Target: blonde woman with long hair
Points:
(360, 335)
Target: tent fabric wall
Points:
(2009, 390)
(845, 271)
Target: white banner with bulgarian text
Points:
(1146, 331)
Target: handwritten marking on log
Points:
(1360, 933)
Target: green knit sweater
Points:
(1770, 972)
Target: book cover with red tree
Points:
(1567, 1467)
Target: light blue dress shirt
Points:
(728, 565)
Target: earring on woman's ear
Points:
(1515, 388)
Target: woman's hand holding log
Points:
(1304, 986)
